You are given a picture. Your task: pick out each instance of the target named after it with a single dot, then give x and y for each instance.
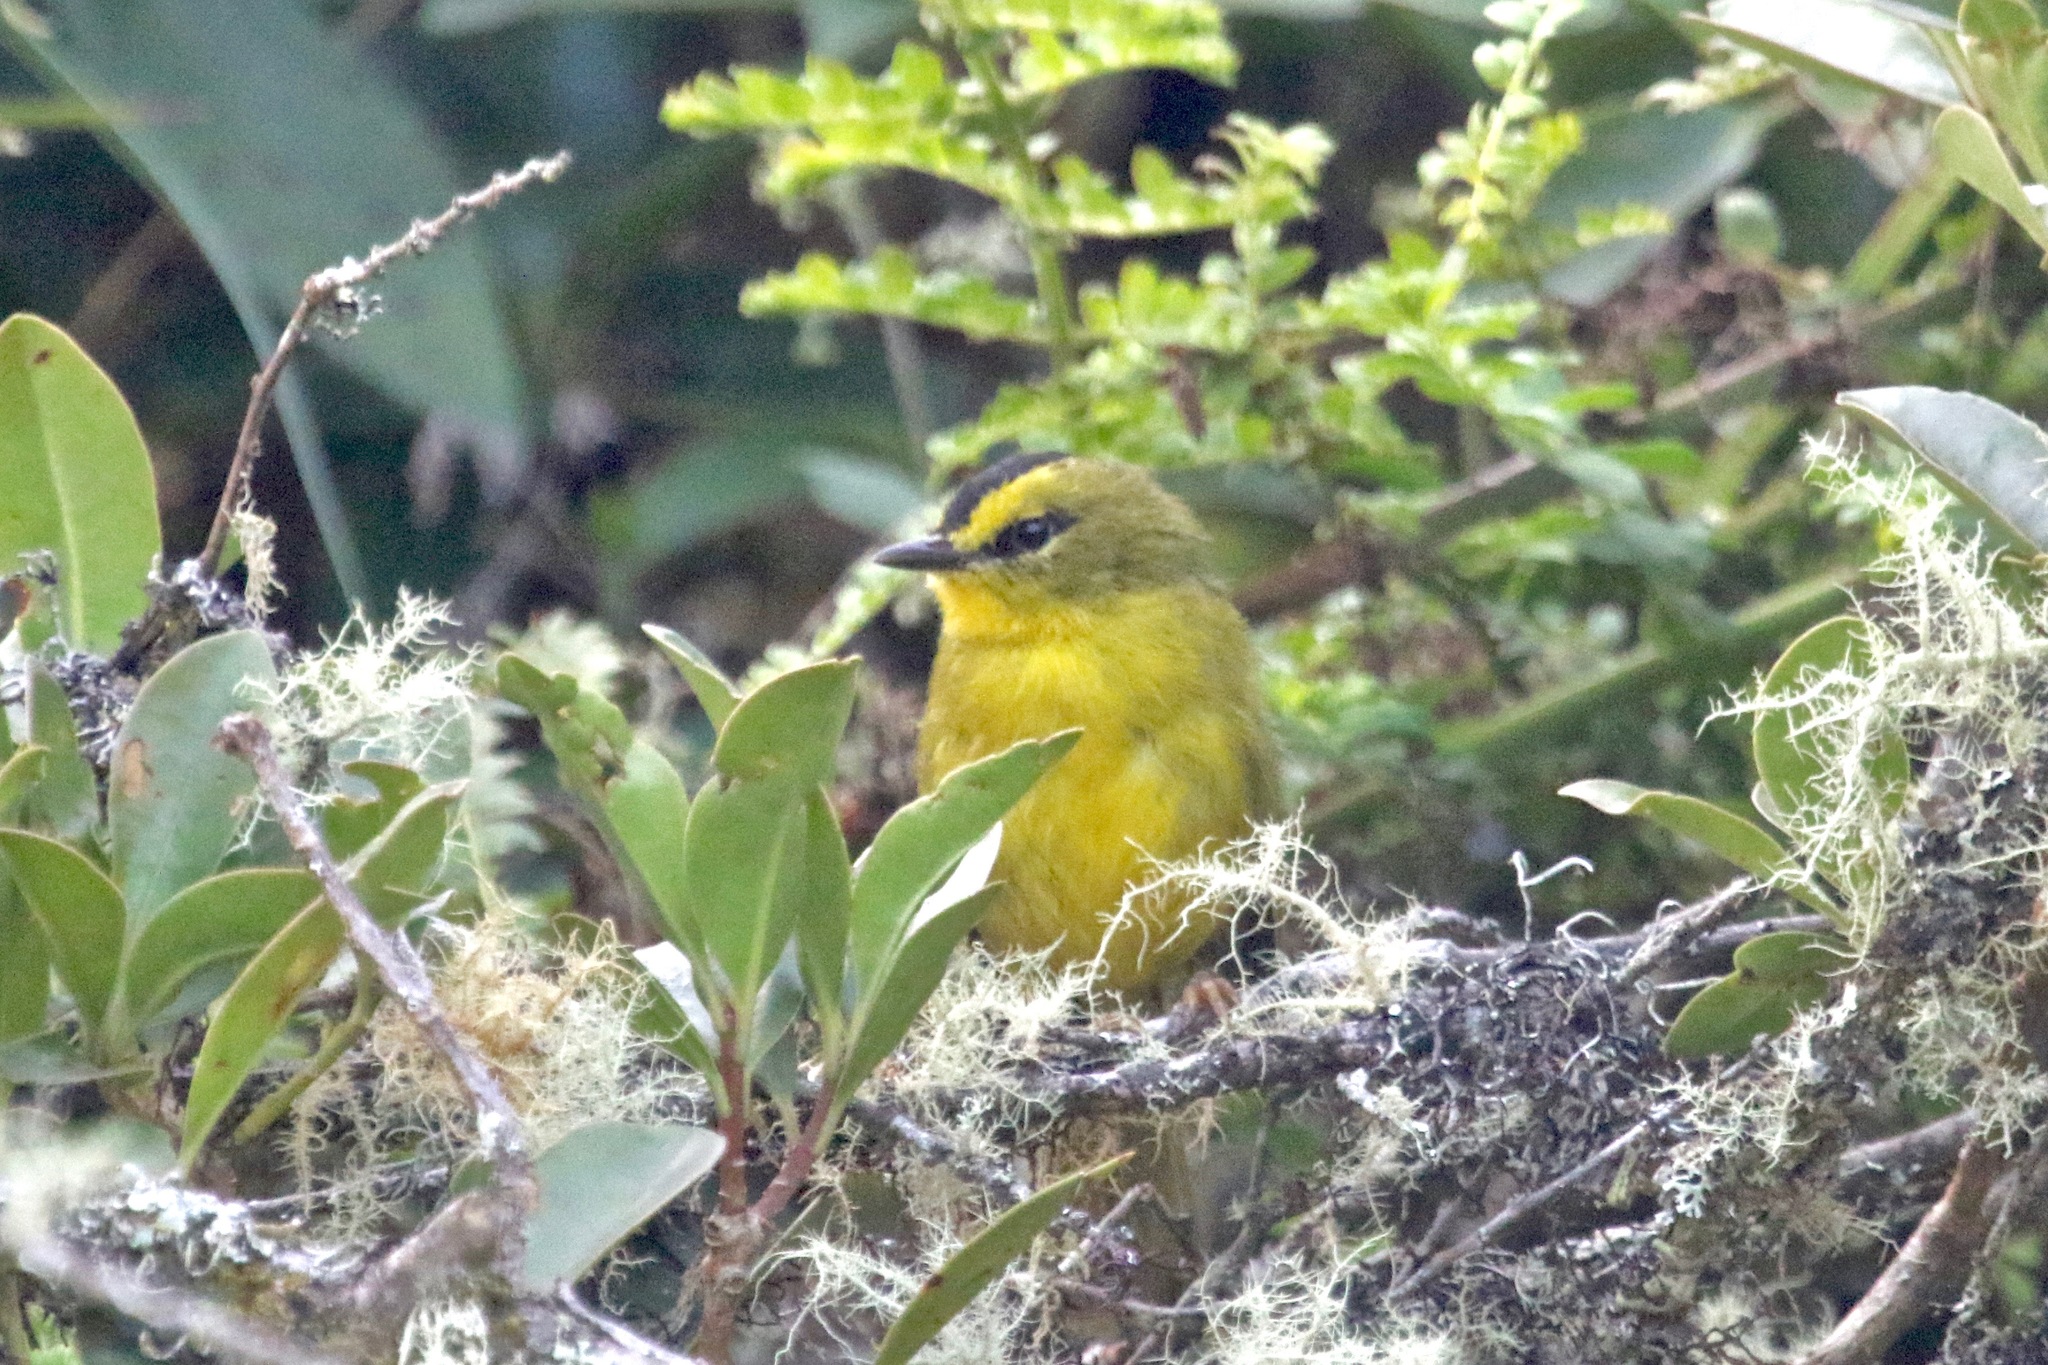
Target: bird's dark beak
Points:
(932, 554)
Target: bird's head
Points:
(1034, 531)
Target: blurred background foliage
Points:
(1487, 586)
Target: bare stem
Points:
(1934, 1263)
(483, 1228)
(172, 1313)
(324, 290)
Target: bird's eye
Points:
(1023, 537)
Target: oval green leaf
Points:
(24, 967)
(649, 814)
(267, 990)
(1776, 976)
(1787, 766)
(173, 795)
(975, 1266)
(67, 800)
(911, 974)
(1747, 845)
(81, 916)
(217, 920)
(789, 726)
(1989, 455)
(75, 480)
(1967, 147)
(745, 871)
(601, 1181)
(1872, 44)
(251, 1013)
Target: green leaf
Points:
(1989, 455)
(649, 813)
(789, 727)
(906, 978)
(55, 1058)
(1873, 44)
(220, 919)
(1967, 147)
(922, 842)
(75, 480)
(251, 1013)
(1776, 976)
(174, 796)
(975, 1266)
(80, 912)
(890, 285)
(1670, 162)
(68, 797)
(598, 1183)
(714, 691)
(267, 990)
(1998, 22)
(672, 1013)
(1741, 842)
(745, 871)
(351, 822)
(24, 967)
(1787, 764)
(826, 909)
(18, 777)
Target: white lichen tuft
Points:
(1291, 1311)
(446, 1333)
(1948, 654)
(257, 535)
(557, 1033)
(987, 1016)
(1274, 877)
(392, 692)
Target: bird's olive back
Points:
(1074, 527)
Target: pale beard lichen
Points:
(392, 692)
(556, 1029)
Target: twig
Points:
(889, 1120)
(1077, 1260)
(170, 1312)
(335, 288)
(1934, 1263)
(486, 1226)
(1217, 1276)
(1671, 935)
(1517, 1212)
(637, 1346)
(1894, 1165)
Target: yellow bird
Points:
(1078, 593)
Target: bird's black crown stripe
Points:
(986, 480)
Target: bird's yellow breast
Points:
(1172, 757)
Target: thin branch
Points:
(1671, 935)
(335, 288)
(485, 1227)
(1880, 1171)
(1518, 1212)
(175, 1313)
(1934, 1264)
(887, 1120)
